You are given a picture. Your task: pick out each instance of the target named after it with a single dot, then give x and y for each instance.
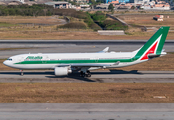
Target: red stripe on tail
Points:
(151, 50)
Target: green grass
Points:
(3, 49)
(4, 24)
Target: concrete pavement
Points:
(87, 111)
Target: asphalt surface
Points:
(87, 111)
(72, 46)
(103, 76)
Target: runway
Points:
(72, 46)
(102, 76)
(76, 46)
(83, 111)
(87, 111)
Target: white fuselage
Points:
(52, 60)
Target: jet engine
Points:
(61, 71)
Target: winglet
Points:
(117, 63)
(104, 50)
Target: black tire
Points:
(84, 75)
(89, 75)
(81, 74)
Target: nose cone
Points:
(5, 62)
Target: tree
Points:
(98, 16)
(133, 7)
(100, 1)
(93, 3)
(111, 7)
(11, 11)
(45, 11)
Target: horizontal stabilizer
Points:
(150, 56)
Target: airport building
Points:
(141, 2)
(119, 1)
(10, 3)
(59, 4)
(20, 2)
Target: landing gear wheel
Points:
(82, 74)
(88, 74)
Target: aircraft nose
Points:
(5, 62)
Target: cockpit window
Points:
(10, 59)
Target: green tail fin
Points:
(154, 45)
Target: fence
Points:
(111, 32)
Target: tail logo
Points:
(152, 49)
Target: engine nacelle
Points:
(61, 71)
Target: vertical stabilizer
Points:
(154, 45)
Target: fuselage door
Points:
(45, 58)
(95, 58)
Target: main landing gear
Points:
(85, 74)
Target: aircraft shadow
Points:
(48, 74)
(74, 75)
(119, 72)
(29, 73)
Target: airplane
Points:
(65, 63)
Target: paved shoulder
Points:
(87, 111)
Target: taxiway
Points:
(87, 111)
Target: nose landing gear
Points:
(22, 73)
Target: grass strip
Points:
(87, 93)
